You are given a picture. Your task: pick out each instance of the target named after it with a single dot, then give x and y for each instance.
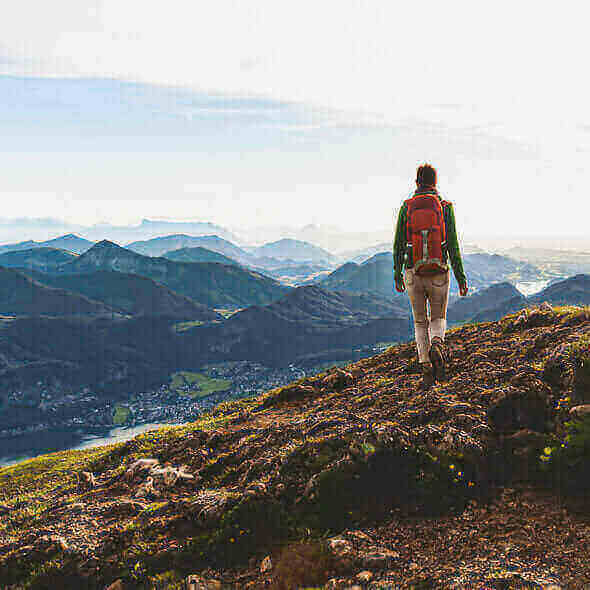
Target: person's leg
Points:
(438, 297)
(417, 295)
(437, 289)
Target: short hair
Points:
(426, 175)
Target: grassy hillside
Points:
(351, 476)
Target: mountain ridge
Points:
(208, 283)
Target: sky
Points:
(291, 113)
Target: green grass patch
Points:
(196, 384)
(120, 415)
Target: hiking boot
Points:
(438, 358)
(427, 376)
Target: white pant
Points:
(434, 290)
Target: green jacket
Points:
(401, 257)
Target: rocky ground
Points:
(353, 478)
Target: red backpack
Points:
(426, 233)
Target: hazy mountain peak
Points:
(292, 249)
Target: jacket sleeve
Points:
(453, 245)
(399, 243)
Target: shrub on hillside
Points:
(567, 461)
(303, 565)
(580, 356)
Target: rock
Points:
(256, 489)
(580, 412)
(340, 548)
(521, 320)
(87, 479)
(338, 380)
(139, 466)
(514, 410)
(195, 582)
(334, 583)
(378, 560)
(51, 544)
(116, 585)
(546, 307)
(290, 393)
(581, 378)
(421, 582)
(365, 576)
(266, 565)
(555, 370)
(126, 506)
(169, 476)
(146, 489)
(526, 438)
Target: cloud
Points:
(301, 99)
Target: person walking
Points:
(425, 242)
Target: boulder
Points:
(515, 409)
(195, 582)
(338, 380)
(364, 577)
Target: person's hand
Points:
(400, 286)
(463, 289)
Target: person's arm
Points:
(399, 245)
(453, 247)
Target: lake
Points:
(31, 445)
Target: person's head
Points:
(426, 176)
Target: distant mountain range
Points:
(69, 242)
(295, 250)
(40, 229)
(498, 300)
(376, 273)
(491, 303)
(208, 283)
(163, 244)
(198, 254)
(113, 353)
(555, 262)
(572, 291)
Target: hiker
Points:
(425, 240)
